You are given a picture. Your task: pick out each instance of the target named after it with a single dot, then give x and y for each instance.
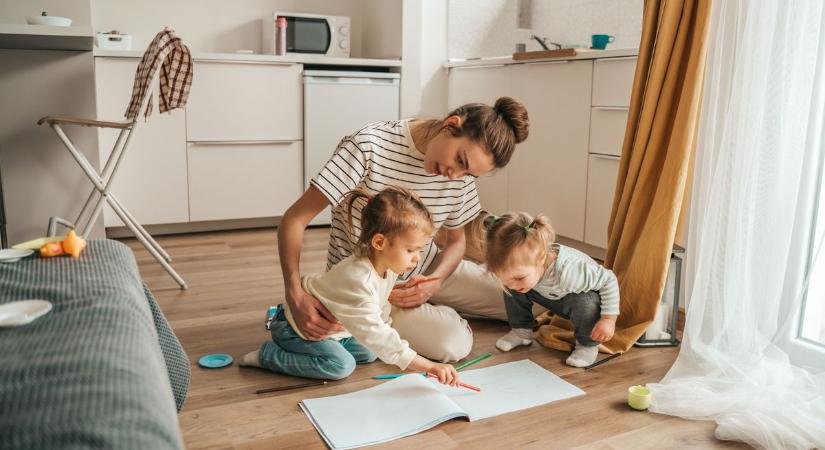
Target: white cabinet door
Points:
(485, 85)
(243, 180)
(245, 102)
(601, 184)
(613, 81)
(548, 174)
(607, 127)
(151, 180)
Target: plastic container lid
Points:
(215, 361)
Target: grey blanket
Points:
(102, 369)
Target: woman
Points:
(439, 160)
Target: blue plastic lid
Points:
(215, 361)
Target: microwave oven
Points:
(320, 34)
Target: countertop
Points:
(258, 58)
(42, 37)
(506, 60)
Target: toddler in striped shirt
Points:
(521, 252)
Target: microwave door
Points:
(307, 35)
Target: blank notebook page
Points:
(508, 387)
(398, 408)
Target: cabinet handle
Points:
(485, 66)
(273, 142)
(603, 156)
(612, 108)
(618, 58)
(241, 61)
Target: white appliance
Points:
(337, 104)
(321, 34)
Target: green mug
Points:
(600, 41)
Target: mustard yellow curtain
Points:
(654, 170)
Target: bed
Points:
(103, 369)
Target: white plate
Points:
(22, 312)
(11, 255)
(54, 21)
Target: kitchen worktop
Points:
(17, 36)
(506, 60)
(293, 58)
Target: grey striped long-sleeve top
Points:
(575, 272)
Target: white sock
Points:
(515, 338)
(251, 359)
(583, 356)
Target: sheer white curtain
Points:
(760, 130)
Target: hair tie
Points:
(496, 219)
(527, 229)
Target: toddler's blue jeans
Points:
(329, 359)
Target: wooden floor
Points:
(234, 276)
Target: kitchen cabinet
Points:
(231, 101)
(612, 84)
(552, 163)
(243, 180)
(234, 152)
(244, 132)
(568, 165)
(151, 180)
(601, 183)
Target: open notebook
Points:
(411, 404)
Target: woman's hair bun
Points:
(515, 114)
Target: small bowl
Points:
(638, 397)
(54, 21)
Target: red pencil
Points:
(464, 385)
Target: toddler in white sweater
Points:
(395, 225)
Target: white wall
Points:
(423, 78)
(480, 28)
(226, 26)
(40, 178)
(381, 25)
(15, 11)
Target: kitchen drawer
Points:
(243, 180)
(601, 184)
(613, 81)
(245, 101)
(607, 127)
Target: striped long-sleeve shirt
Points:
(575, 272)
(383, 154)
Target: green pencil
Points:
(474, 360)
(468, 363)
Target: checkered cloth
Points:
(175, 74)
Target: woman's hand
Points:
(414, 293)
(313, 319)
(603, 331)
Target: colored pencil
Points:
(293, 386)
(464, 385)
(473, 361)
(391, 376)
(602, 361)
(388, 376)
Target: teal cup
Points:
(600, 41)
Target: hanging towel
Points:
(175, 74)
